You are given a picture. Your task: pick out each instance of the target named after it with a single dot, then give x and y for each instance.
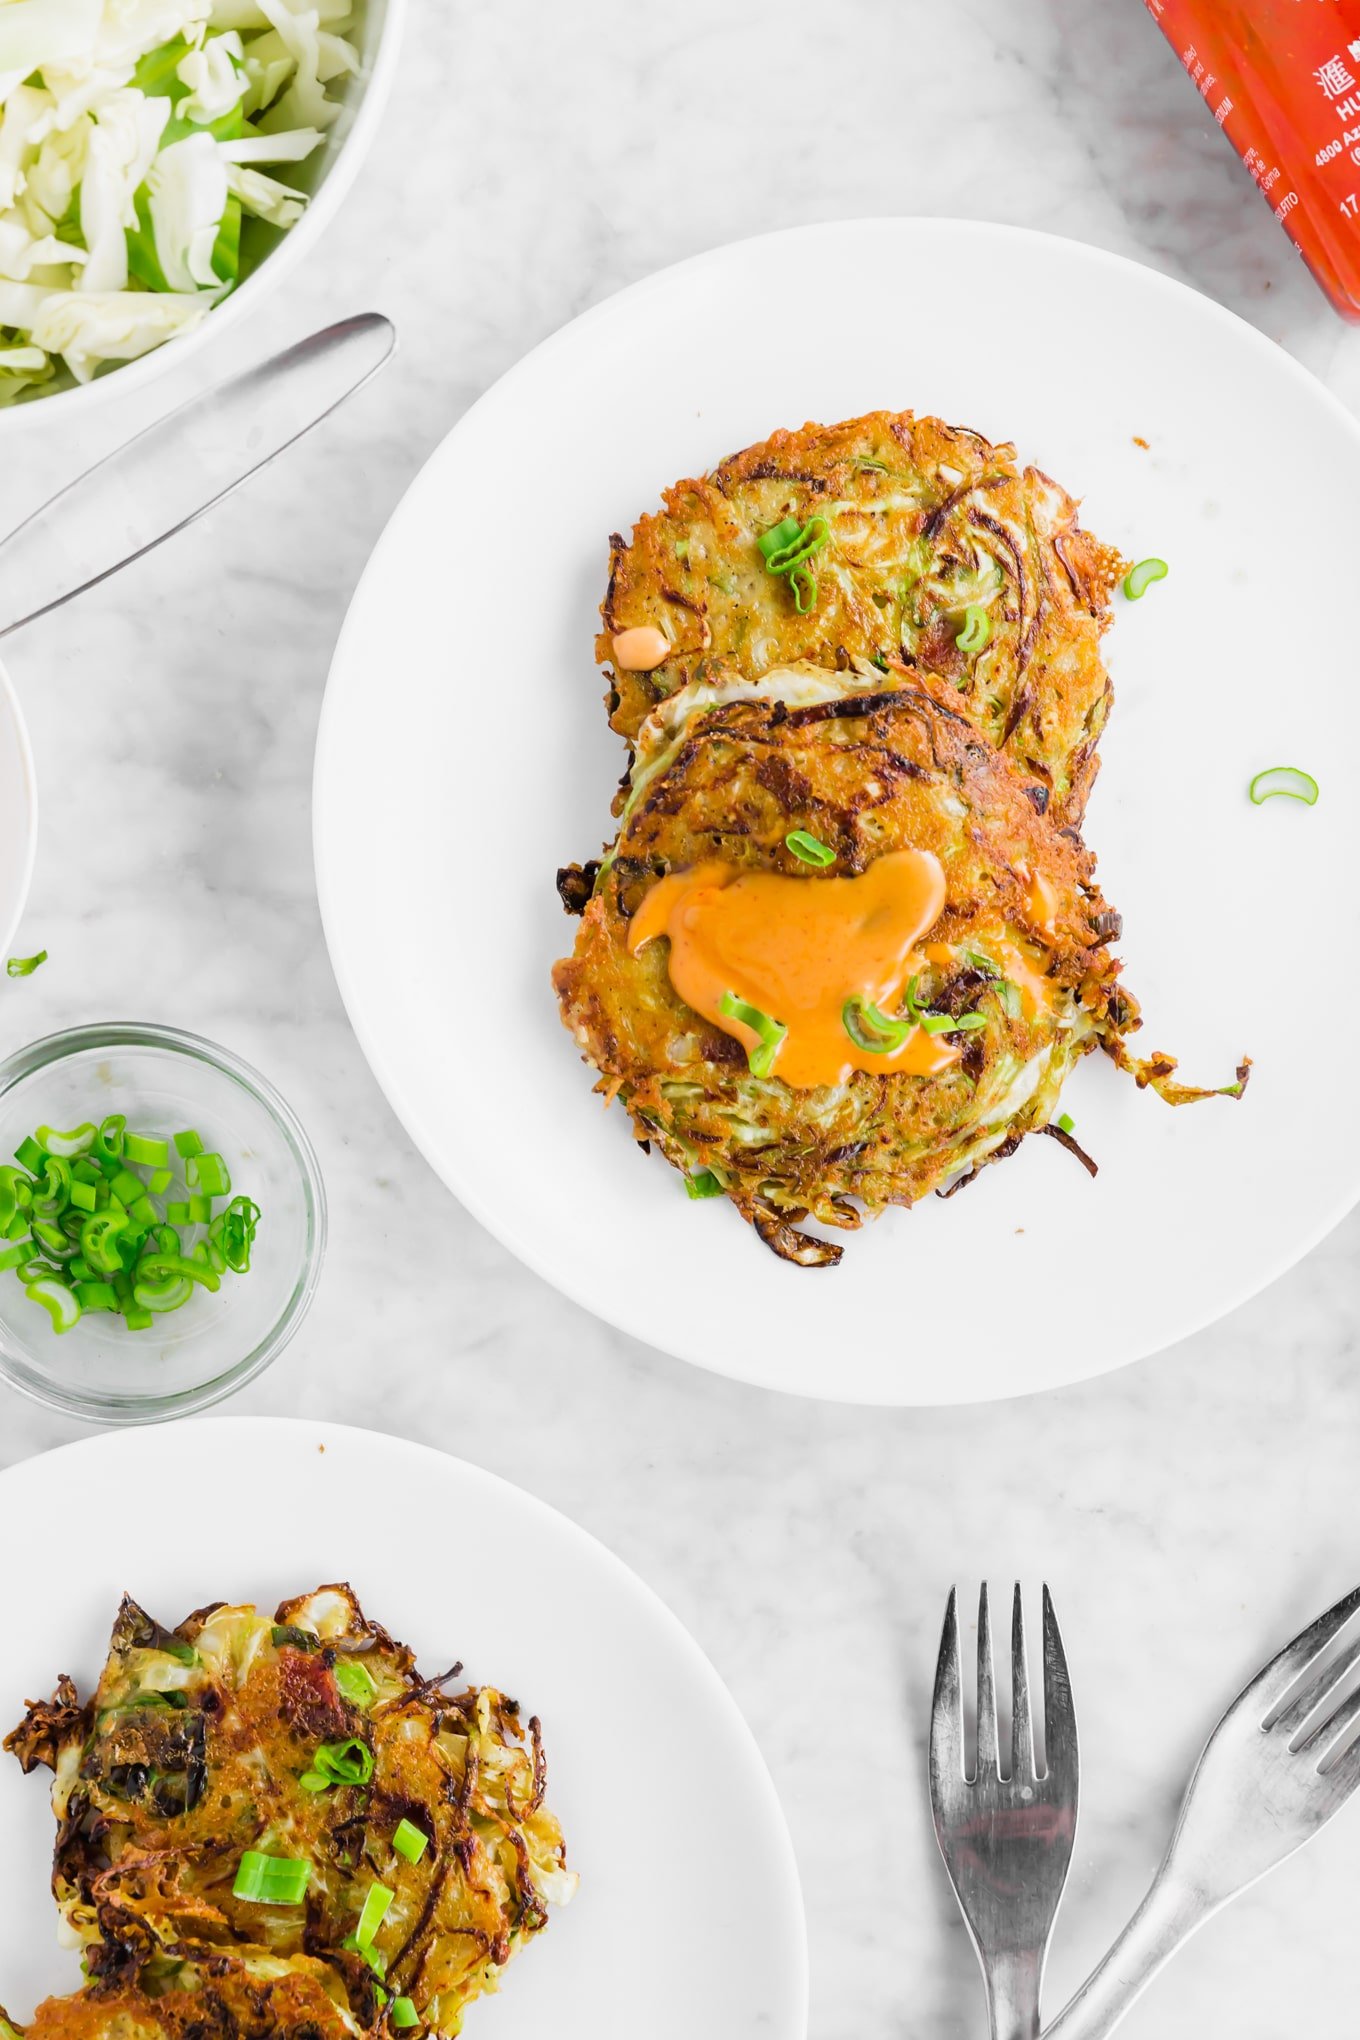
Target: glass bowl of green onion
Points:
(162, 1222)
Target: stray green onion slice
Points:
(1065, 1122)
(787, 549)
(271, 1880)
(945, 1023)
(703, 1183)
(809, 849)
(376, 1901)
(410, 1841)
(977, 628)
(771, 1032)
(24, 966)
(1286, 780)
(404, 2013)
(356, 1682)
(338, 1763)
(1139, 579)
(873, 1031)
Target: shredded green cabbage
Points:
(136, 137)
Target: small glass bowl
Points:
(163, 1081)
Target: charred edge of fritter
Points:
(1155, 1072)
(47, 1726)
(576, 884)
(779, 1231)
(1064, 1139)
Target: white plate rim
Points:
(462, 1181)
(554, 1523)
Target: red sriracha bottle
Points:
(1282, 79)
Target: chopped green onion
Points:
(410, 1841)
(60, 1303)
(982, 963)
(208, 1173)
(165, 1293)
(356, 1682)
(771, 1032)
(151, 1154)
(29, 1156)
(111, 1137)
(188, 1143)
(809, 849)
(24, 966)
(1139, 579)
(53, 1193)
(787, 549)
(156, 1266)
(872, 1030)
(1009, 997)
(99, 1237)
(1065, 1122)
(14, 1257)
(161, 1179)
(82, 1196)
(272, 1880)
(78, 1142)
(944, 1023)
(403, 2013)
(977, 628)
(200, 1209)
(376, 1901)
(53, 1240)
(96, 1296)
(288, 1633)
(338, 1763)
(178, 1214)
(126, 1187)
(1286, 780)
(703, 1184)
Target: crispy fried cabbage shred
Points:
(135, 138)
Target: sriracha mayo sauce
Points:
(1282, 79)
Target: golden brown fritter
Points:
(310, 1737)
(219, 1999)
(867, 764)
(925, 521)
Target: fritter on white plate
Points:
(288, 1787)
(741, 798)
(902, 538)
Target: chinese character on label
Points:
(1353, 51)
(1333, 77)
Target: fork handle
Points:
(1013, 1981)
(1168, 1916)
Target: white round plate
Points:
(464, 756)
(651, 1769)
(18, 814)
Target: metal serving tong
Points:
(1274, 1771)
(168, 475)
(1006, 1841)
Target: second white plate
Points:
(464, 756)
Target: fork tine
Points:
(1274, 1682)
(946, 1708)
(986, 1691)
(1342, 1777)
(1060, 1721)
(1022, 1726)
(1316, 1691)
(1334, 1731)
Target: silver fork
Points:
(1268, 1779)
(1006, 1842)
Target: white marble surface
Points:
(1190, 1511)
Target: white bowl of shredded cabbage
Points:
(158, 160)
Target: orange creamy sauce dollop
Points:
(798, 948)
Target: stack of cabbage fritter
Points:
(844, 642)
(278, 1826)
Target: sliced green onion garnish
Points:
(150, 1154)
(409, 1841)
(78, 1142)
(161, 1179)
(99, 1237)
(29, 1156)
(788, 548)
(53, 1193)
(24, 966)
(771, 1032)
(61, 1304)
(272, 1880)
(1065, 1122)
(83, 1196)
(703, 1184)
(1139, 579)
(403, 2013)
(96, 1296)
(208, 1173)
(376, 1901)
(1286, 780)
(338, 1763)
(945, 1023)
(982, 963)
(188, 1143)
(809, 849)
(977, 628)
(111, 1136)
(1009, 997)
(356, 1682)
(14, 1257)
(872, 1030)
